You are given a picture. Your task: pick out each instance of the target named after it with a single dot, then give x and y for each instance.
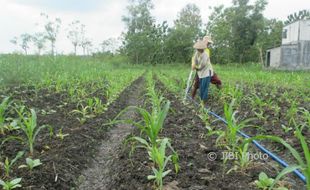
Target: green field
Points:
(76, 100)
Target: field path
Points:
(98, 175)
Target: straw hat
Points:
(208, 39)
(200, 45)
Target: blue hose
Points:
(273, 156)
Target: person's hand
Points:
(193, 67)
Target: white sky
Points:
(103, 17)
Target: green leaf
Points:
(142, 141)
(19, 155)
(262, 176)
(2, 182)
(149, 177)
(166, 173)
(285, 171)
(16, 181)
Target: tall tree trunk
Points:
(260, 49)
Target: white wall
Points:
(275, 55)
(292, 33)
(305, 30)
(297, 31)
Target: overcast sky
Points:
(103, 17)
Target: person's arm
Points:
(193, 63)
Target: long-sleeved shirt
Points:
(202, 64)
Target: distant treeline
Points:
(241, 33)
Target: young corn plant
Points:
(13, 184)
(84, 111)
(204, 116)
(3, 107)
(263, 182)
(157, 154)
(151, 126)
(292, 112)
(302, 164)
(72, 92)
(12, 124)
(242, 160)
(96, 106)
(286, 129)
(236, 93)
(8, 164)
(61, 135)
(230, 134)
(29, 127)
(31, 163)
(151, 123)
(155, 98)
(257, 102)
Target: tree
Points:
(270, 37)
(86, 44)
(186, 31)
(189, 18)
(160, 33)
(110, 45)
(75, 33)
(219, 28)
(301, 15)
(25, 40)
(39, 40)
(52, 30)
(238, 28)
(139, 38)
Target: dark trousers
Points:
(214, 80)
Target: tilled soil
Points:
(200, 169)
(98, 175)
(63, 160)
(96, 157)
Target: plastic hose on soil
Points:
(263, 149)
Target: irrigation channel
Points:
(98, 175)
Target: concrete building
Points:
(294, 53)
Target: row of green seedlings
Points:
(233, 142)
(150, 126)
(87, 107)
(84, 85)
(77, 89)
(27, 124)
(259, 100)
(90, 107)
(230, 139)
(264, 99)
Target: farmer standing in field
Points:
(214, 79)
(201, 63)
